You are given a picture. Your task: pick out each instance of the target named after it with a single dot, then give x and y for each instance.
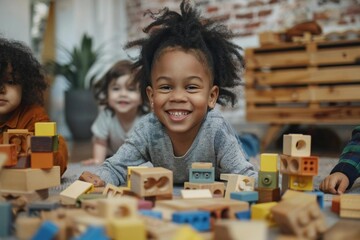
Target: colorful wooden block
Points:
(236, 230)
(129, 174)
(47, 231)
(269, 162)
(201, 165)
(301, 183)
(297, 145)
(22, 163)
(124, 207)
(335, 204)
(71, 193)
(238, 183)
(26, 227)
(21, 139)
(216, 188)
(44, 143)
(5, 219)
(349, 206)
(200, 220)
(29, 179)
(304, 166)
(151, 181)
(268, 179)
(247, 196)
(43, 160)
(319, 197)
(202, 175)
(129, 228)
(195, 193)
(268, 195)
(261, 211)
(11, 154)
(45, 129)
(187, 232)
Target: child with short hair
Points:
(22, 85)
(344, 174)
(119, 93)
(186, 66)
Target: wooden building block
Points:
(132, 228)
(129, 174)
(196, 193)
(11, 154)
(297, 145)
(186, 232)
(349, 206)
(261, 211)
(45, 129)
(201, 165)
(216, 188)
(124, 207)
(268, 195)
(71, 193)
(202, 175)
(217, 211)
(21, 139)
(239, 230)
(285, 182)
(269, 162)
(300, 216)
(335, 204)
(268, 179)
(113, 191)
(5, 219)
(304, 166)
(247, 196)
(29, 179)
(159, 229)
(3, 159)
(238, 183)
(301, 183)
(30, 196)
(26, 227)
(151, 181)
(44, 143)
(22, 163)
(43, 160)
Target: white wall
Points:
(15, 19)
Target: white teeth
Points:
(178, 113)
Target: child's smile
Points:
(181, 91)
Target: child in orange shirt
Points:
(22, 84)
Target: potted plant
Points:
(80, 105)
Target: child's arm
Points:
(335, 183)
(99, 152)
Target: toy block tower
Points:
(297, 165)
(202, 176)
(43, 145)
(268, 179)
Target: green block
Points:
(202, 175)
(268, 179)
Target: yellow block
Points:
(128, 228)
(301, 183)
(45, 129)
(269, 162)
(188, 233)
(129, 174)
(261, 211)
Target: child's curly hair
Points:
(120, 68)
(19, 66)
(189, 31)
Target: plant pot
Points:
(81, 110)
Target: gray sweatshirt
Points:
(215, 142)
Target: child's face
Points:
(10, 96)
(124, 97)
(181, 91)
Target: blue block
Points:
(247, 196)
(47, 231)
(200, 220)
(243, 215)
(319, 197)
(35, 208)
(202, 175)
(5, 219)
(93, 233)
(151, 213)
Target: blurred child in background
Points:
(22, 86)
(120, 95)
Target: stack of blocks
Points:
(268, 179)
(202, 176)
(297, 166)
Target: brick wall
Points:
(249, 17)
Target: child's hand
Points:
(91, 161)
(92, 178)
(335, 183)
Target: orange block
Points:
(42, 160)
(10, 151)
(335, 204)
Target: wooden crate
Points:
(315, 82)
